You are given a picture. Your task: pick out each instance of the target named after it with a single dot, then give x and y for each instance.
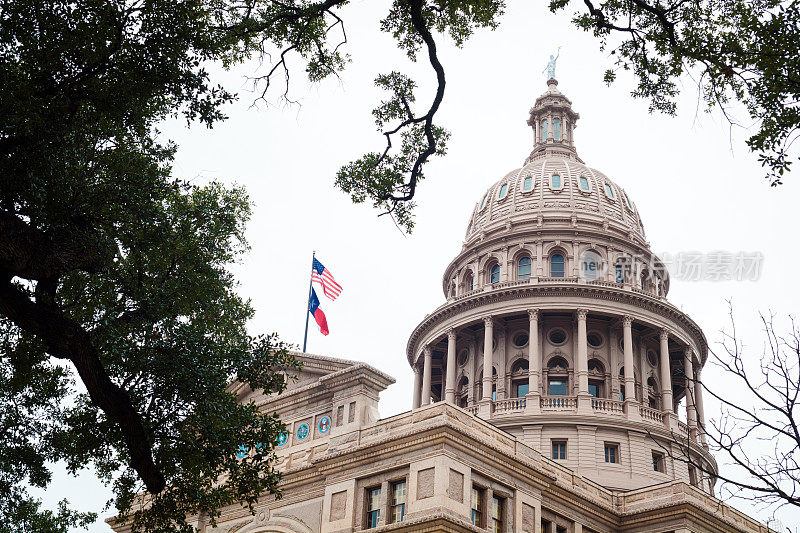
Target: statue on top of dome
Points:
(551, 65)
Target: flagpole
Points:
(308, 303)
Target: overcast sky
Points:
(692, 179)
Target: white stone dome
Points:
(552, 187)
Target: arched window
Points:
(519, 366)
(544, 130)
(463, 391)
(652, 393)
(619, 270)
(596, 378)
(583, 183)
(494, 274)
(557, 266)
(483, 202)
(557, 377)
(524, 268)
(519, 374)
(622, 384)
(468, 282)
(527, 183)
(556, 129)
(609, 190)
(503, 191)
(591, 265)
(627, 200)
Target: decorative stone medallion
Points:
(324, 424)
(282, 438)
(302, 431)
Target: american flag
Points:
(323, 276)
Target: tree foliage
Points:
(737, 51)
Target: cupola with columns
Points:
(556, 327)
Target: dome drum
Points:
(556, 325)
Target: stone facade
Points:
(546, 392)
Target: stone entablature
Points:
(441, 452)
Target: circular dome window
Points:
(520, 339)
(651, 358)
(557, 336)
(462, 357)
(594, 339)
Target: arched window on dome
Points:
(609, 191)
(494, 274)
(527, 184)
(544, 130)
(555, 181)
(519, 378)
(591, 265)
(524, 268)
(483, 202)
(557, 377)
(652, 393)
(583, 183)
(463, 392)
(557, 265)
(503, 191)
(597, 373)
(556, 129)
(627, 200)
(468, 281)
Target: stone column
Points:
(631, 406)
(666, 373)
(582, 365)
(450, 385)
(691, 413)
(426, 376)
(701, 414)
(534, 363)
(417, 395)
(488, 338)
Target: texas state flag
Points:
(319, 316)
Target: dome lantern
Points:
(553, 122)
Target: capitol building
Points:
(555, 389)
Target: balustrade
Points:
(608, 406)
(509, 405)
(558, 403)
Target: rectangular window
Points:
(559, 449)
(584, 183)
(397, 508)
(619, 273)
(658, 462)
(612, 453)
(545, 526)
(594, 390)
(555, 181)
(497, 514)
(476, 515)
(556, 129)
(558, 387)
(692, 476)
(521, 390)
(373, 507)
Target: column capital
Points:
(687, 352)
(488, 321)
(451, 334)
(426, 351)
(416, 369)
(533, 314)
(663, 334)
(581, 313)
(627, 320)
